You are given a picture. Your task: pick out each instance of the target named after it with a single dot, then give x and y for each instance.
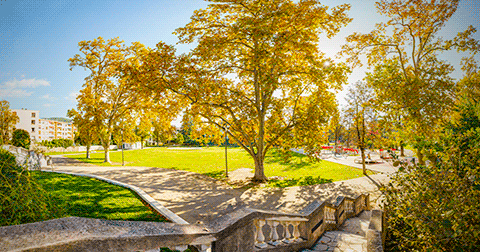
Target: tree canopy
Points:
(7, 122)
(409, 77)
(257, 69)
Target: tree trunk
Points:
(402, 149)
(362, 150)
(420, 157)
(141, 143)
(106, 148)
(88, 150)
(259, 169)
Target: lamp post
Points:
(123, 145)
(226, 144)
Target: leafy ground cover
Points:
(211, 162)
(88, 197)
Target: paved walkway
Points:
(350, 237)
(198, 198)
(380, 165)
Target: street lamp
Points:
(123, 146)
(226, 144)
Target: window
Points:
(33, 129)
(33, 114)
(33, 121)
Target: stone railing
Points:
(29, 158)
(241, 230)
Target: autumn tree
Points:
(84, 122)
(108, 91)
(256, 68)
(143, 128)
(361, 113)
(7, 122)
(409, 76)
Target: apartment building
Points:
(49, 130)
(43, 129)
(29, 121)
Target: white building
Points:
(49, 130)
(43, 129)
(29, 121)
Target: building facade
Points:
(49, 130)
(43, 129)
(29, 121)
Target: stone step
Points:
(340, 241)
(349, 238)
(357, 225)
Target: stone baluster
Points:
(296, 232)
(287, 237)
(348, 206)
(330, 215)
(274, 239)
(259, 237)
(205, 248)
(181, 247)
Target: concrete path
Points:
(198, 198)
(381, 165)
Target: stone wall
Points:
(74, 148)
(29, 158)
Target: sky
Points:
(37, 37)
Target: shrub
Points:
(437, 207)
(21, 138)
(57, 143)
(22, 200)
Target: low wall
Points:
(244, 230)
(29, 158)
(376, 232)
(74, 148)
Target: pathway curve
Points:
(199, 198)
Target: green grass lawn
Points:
(88, 197)
(211, 161)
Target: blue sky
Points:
(38, 37)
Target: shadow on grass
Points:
(303, 181)
(218, 175)
(297, 160)
(88, 197)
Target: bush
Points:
(65, 143)
(22, 200)
(437, 207)
(21, 138)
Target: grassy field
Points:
(88, 197)
(211, 162)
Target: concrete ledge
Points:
(374, 232)
(86, 234)
(147, 198)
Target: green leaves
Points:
(257, 69)
(7, 122)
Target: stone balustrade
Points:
(243, 230)
(289, 231)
